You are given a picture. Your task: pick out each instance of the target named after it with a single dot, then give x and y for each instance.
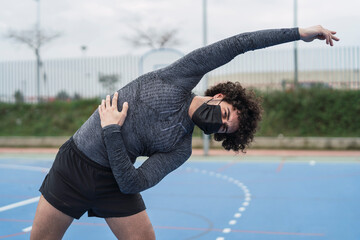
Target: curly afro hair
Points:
(250, 114)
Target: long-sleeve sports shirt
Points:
(158, 124)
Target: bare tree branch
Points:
(153, 38)
(48, 38)
(167, 38)
(32, 38)
(26, 37)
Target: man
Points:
(93, 171)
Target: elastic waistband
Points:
(83, 157)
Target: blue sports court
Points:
(215, 198)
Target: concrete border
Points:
(314, 143)
(199, 152)
(309, 143)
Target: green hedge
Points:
(58, 118)
(305, 112)
(311, 112)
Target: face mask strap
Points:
(212, 99)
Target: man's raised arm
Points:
(187, 71)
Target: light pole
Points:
(83, 50)
(204, 22)
(296, 74)
(206, 139)
(37, 50)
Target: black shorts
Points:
(75, 184)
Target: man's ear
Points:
(219, 96)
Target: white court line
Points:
(22, 167)
(232, 222)
(28, 229)
(226, 230)
(19, 204)
(244, 188)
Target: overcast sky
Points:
(101, 25)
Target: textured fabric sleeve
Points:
(187, 71)
(133, 180)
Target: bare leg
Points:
(135, 227)
(49, 223)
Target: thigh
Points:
(134, 227)
(49, 223)
(69, 184)
(109, 201)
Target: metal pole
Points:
(37, 73)
(296, 75)
(204, 22)
(37, 50)
(358, 67)
(206, 140)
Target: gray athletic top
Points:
(158, 124)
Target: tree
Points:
(108, 82)
(62, 96)
(34, 38)
(76, 96)
(153, 38)
(19, 96)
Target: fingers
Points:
(325, 35)
(114, 100)
(334, 37)
(331, 41)
(105, 104)
(328, 35)
(123, 113)
(102, 105)
(108, 101)
(328, 38)
(125, 108)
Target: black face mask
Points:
(208, 118)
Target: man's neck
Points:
(196, 103)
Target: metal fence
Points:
(90, 77)
(71, 78)
(274, 69)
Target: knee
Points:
(151, 234)
(148, 233)
(145, 233)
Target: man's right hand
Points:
(109, 113)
